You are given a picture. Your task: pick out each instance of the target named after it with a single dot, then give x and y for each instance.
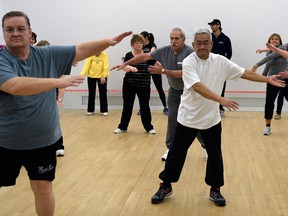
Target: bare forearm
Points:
(206, 92)
(174, 73)
(88, 49)
(249, 75)
(282, 52)
(138, 58)
(28, 86)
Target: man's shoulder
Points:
(224, 36)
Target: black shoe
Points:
(161, 194)
(217, 198)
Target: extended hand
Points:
(119, 38)
(273, 80)
(66, 81)
(228, 103)
(118, 67)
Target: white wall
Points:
(247, 23)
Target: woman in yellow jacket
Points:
(97, 70)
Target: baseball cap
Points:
(215, 22)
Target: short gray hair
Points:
(179, 30)
(202, 31)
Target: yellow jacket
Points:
(96, 66)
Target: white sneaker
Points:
(164, 157)
(60, 152)
(206, 155)
(90, 113)
(152, 132)
(118, 130)
(267, 131)
(277, 117)
(105, 113)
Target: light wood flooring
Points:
(107, 174)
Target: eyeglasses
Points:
(19, 30)
(204, 43)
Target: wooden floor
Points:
(116, 174)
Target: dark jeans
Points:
(129, 93)
(280, 101)
(92, 94)
(184, 136)
(271, 94)
(157, 79)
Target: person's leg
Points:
(271, 94)
(173, 101)
(41, 165)
(44, 198)
(214, 169)
(103, 97)
(280, 101)
(157, 79)
(128, 95)
(91, 94)
(144, 98)
(183, 139)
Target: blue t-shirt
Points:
(30, 122)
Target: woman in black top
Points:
(136, 82)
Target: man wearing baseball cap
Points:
(221, 46)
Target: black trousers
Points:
(92, 94)
(271, 94)
(129, 93)
(184, 136)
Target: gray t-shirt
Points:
(171, 61)
(30, 122)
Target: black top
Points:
(141, 78)
(147, 48)
(222, 45)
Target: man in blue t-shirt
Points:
(29, 123)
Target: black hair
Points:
(149, 36)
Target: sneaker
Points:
(164, 157)
(206, 154)
(60, 152)
(152, 132)
(217, 197)
(267, 131)
(118, 130)
(277, 117)
(139, 112)
(161, 194)
(165, 111)
(90, 113)
(222, 113)
(105, 113)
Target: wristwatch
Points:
(60, 100)
(163, 70)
